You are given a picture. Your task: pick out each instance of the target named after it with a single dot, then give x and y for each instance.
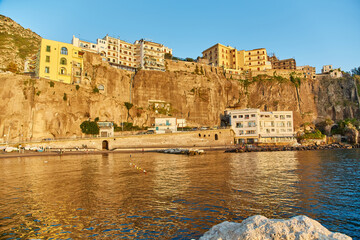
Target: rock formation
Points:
(260, 227)
(16, 43)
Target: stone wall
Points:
(180, 139)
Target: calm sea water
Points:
(180, 197)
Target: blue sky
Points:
(314, 32)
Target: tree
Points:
(355, 71)
(168, 56)
(12, 67)
(89, 127)
(189, 59)
(128, 107)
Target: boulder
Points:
(260, 227)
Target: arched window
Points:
(63, 71)
(101, 87)
(63, 61)
(64, 51)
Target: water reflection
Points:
(105, 196)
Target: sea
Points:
(167, 196)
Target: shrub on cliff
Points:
(168, 56)
(89, 127)
(12, 67)
(355, 71)
(312, 135)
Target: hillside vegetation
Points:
(16, 43)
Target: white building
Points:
(254, 126)
(106, 129)
(165, 125)
(152, 55)
(128, 56)
(181, 123)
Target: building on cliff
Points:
(282, 64)
(124, 55)
(152, 55)
(308, 71)
(59, 61)
(328, 70)
(237, 60)
(254, 126)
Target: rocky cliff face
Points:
(201, 98)
(16, 43)
(31, 108)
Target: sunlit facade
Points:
(254, 126)
(59, 61)
(241, 60)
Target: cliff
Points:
(34, 109)
(202, 96)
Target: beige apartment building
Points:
(239, 60)
(152, 55)
(308, 71)
(254, 126)
(121, 54)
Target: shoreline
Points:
(226, 149)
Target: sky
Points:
(314, 32)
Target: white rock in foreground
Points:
(260, 227)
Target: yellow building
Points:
(59, 61)
(239, 60)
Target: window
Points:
(241, 116)
(288, 124)
(288, 116)
(47, 70)
(63, 71)
(239, 125)
(47, 59)
(282, 117)
(64, 51)
(246, 116)
(63, 61)
(252, 115)
(234, 116)
(251, 124)
(48, 48)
